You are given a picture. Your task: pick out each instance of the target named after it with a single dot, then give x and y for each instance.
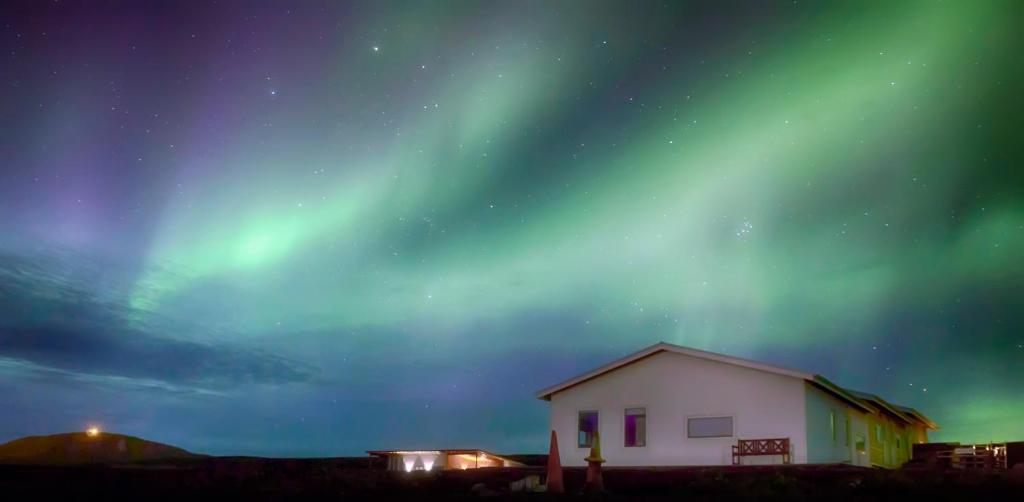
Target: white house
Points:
(671, 405)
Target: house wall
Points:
(822, 446)
(878, 440)
(888, 441)
(472, 461)
(673, 387)
(894, 447)
(431, 461)
(922, 435)
(859, 429)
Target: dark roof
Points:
(904, 413)
(919, 416)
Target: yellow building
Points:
(892, 431)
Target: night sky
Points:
(326, 227)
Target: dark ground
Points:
(347, 478)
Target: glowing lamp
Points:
(93, 431)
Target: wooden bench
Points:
(760, 447)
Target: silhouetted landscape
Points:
(123, 467)
(81, 448)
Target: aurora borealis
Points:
(324, 227)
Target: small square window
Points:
(587, 428)
(860, 443)
(636, 427)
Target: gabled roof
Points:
(870, 403)
(843, 394)
(881, 404)
(900, 412)
(667, 347)
(919, 416)
(816, 380)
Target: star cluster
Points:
(365, 225)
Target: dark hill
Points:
(81, 448)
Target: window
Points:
(832, 424)
(587, 428)
(878, 433)
(861, 443)
(709, 427)
(846, 429)
(636, 427)
(898, 445)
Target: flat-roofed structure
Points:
(446, 459)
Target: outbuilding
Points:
(446, 459)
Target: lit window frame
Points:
(625, 417)
(579, 430)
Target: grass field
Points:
(348, 478)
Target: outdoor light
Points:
(93, 431)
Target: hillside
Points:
(82, 448)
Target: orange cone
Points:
(555, 484)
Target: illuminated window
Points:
(587, 428)
(636, 427)
(832, 424)
(709, 427)
(860, 443)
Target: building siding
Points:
(850, 422)
(673, 387)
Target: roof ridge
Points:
(678, 349)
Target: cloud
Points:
(22, 370)
(64, 313)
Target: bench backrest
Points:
(775, 446)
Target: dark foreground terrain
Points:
(339, 479)
(83, 448)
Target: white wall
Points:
(672, 387)
(821, 447)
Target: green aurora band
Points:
(846, 182)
